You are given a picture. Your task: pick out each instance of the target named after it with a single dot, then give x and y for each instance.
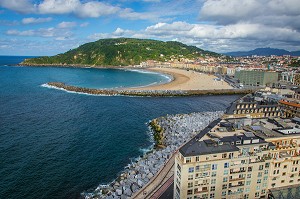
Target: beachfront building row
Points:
(240, 158)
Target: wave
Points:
(74, 92)
(168, 77)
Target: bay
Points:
(55, 144)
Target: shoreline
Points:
(144, 92)
(180, 79)
(177, 129)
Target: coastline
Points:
(186, 80)
(144, 92)
(177, 129)
(180, 79)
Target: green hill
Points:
(122, 51)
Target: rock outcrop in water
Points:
(177, 129)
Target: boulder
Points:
(140, 183)
(119, 192)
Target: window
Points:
(213, 181)
(263, 192)
(285, 166)
(224, 155)
(261, 167)
(189, 192)
(259, 174)
(212, 188)
(187, 160)
(291, 181)
(273, 184)
(249, 175)
(225, 179)
(197, 159)
(258, 181)
(224, 186)
(246, 196)
(212, 195)
(267, 165)
(284, 173)
(247, 190)
(214, 166)
(178, 167)
(223, 193)
(190, 177)
(225, 172)
(256, 194)
(248, 182)
(197, 168)
(191, 170)
(265, 178)
(190, 185)
(213, 174)
(282, 181)
(264, 185)
(266, 171)
(249, 169)
(226, 165)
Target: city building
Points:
(256, 105)
(240, 158)
(256, 78)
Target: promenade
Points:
(159, 183)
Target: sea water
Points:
(55, 144)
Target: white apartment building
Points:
(240, 158)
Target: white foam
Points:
(74, 92)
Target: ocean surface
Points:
(55, 144)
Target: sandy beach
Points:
(187, 80)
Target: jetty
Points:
(147, 93)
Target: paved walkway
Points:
(158, 183)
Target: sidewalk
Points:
(153, 187)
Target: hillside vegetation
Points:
(122, 52)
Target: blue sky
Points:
(48, 27)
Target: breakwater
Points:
(148, 93)
(177, 129)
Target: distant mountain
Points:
(263, 52)
(121, 52)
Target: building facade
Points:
(239, 158)
(254, 106)
(256, 78)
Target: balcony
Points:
(236, 179)
(237, 185)
(238, 171)
(196, 191)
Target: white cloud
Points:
(96, 9)
(32, 20)
(58, 6)
(42, 32)
(119, 32)
(85, 24)
(89, 9)
(251, 11)
(22, 6)
(219, 38)
(66, 25)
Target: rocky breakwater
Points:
(146, 93)
(175, 130)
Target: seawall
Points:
(149, 93)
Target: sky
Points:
(49, 27)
